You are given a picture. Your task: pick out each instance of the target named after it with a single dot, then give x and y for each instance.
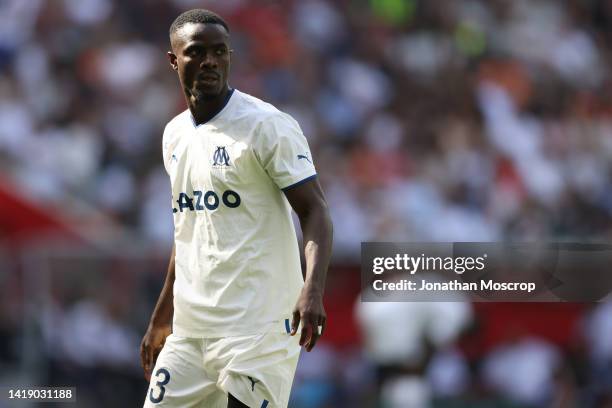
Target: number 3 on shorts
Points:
(160, 385)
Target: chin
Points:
(202, 95)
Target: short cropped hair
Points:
(197, 16)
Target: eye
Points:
(193, 52)
(220, 51)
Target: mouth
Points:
(208, 78)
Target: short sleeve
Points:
(283, 151)
(166, 150)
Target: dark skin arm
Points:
(160, 325)
(308, 201)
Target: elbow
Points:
(324, 218)
(317, 213)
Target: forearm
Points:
(164, 309)
(317, 231)
(308, 202)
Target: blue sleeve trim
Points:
(299, 182)
(287, 326)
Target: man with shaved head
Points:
(222, 333)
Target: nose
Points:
(209, 60)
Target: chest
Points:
(208, 158)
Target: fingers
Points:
(148, 355)
(306, 333)
(317, 331)
(312, 319)
(144, 361)
(148, 363)
(313, 339)
(309, 331)
(152, 344)
(142, 354)
(155, 354)
(143, 357)
(312, 329)
(295, 322)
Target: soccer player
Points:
(223, 331)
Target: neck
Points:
(204, 108)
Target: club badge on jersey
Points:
(221, 158)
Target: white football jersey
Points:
(237, 258)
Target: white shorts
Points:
(258, 370)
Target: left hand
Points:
(309, 310)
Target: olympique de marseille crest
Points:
(221, 157)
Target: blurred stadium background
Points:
(429, 120)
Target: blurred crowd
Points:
(442, 121)
(445, 120)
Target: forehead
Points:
(201, 33)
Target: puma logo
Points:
(302, 156)
(253, 381)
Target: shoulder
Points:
(177, 123)
(260, 113)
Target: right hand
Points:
(151, 345)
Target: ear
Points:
(172, 59)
